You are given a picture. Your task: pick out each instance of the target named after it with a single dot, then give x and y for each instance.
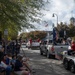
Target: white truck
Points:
(53, 51)
(34, 45)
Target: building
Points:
(72, 20)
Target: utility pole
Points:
(56, 16)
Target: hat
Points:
(19, 57)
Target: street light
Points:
(56, 16)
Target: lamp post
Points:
(54, 14)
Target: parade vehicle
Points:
(23, 44)
(69, 61)
(33, 45)
(53, 50)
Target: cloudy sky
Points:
(64, 9)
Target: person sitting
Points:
(13, 61)
(2, 48)
(25, 63)
(19, 68)
(6, 64)
(72, 50)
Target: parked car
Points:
(69, 61)
(24, 44)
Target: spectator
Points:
(9, 48)
(1, 51)
(38, 40)
(6, 64)
(25, 63)
(63, 41)
(72, 48)
(13, 61)
(3, 44)
(12, 46)
(17, 47)
(73, 45)
(19, 68)
(30, 40)
(24, 60)
(69, 40)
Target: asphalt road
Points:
(43, 65)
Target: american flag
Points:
(46, 25)
(57, 36)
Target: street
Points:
(43, 65)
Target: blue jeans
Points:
(8, 70)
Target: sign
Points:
(5, 32)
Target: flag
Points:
(54, 34)
(46, 25)
(57, 36)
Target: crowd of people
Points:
(12, 60)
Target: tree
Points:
(0, 35)
(34, 35)
(19, 13)
(71, 30)
(61, 28)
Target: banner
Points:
(54, 34)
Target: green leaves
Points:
(69, 28)
(34, 35)
(15, 14)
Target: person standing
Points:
(12, 46)
(73, 46)
(30, 42)
(1, 51)
(17, 48)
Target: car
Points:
(23, 44)
(69, 61)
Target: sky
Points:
(64, 9)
